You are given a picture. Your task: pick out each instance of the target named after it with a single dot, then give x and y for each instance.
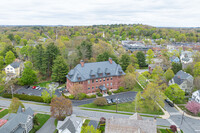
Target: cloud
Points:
(183, 13)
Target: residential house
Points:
(15, 68)
(184, 80)
(71, 124)
(156, 62)
(186, 58)
(21, 122)
(174, 59)
(105, 75)
(196, 96)
(134, 124)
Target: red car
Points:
(34, 87)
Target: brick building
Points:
(103, 75)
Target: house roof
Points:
(181, 76)
(15, 64)
(93, 123)
(102, 87)
(121, 125)
(93, 70)
(71, 123)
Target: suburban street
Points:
(188, 125)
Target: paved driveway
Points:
(48, 127)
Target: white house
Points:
(14, 69)
(71, 124)
(196, 96)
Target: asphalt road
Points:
(188, 125)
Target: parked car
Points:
(170, 103)
(34, 87)
(28, 87)
(114, 100)
(109, 101)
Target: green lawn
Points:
(86, 122)
(127, 107)
(3, 113)
(163, 131)
(137, 87)
(42, 118)
(43, 84)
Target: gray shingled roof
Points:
(15, 64)
(80, 73)
(69, 125)
(181, 76)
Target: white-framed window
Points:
(96, 80)
(88, 81)
(7, 68)
(88, 88)
(99, 80)
(103, 79)
(110, 78)
(10, 68)
(110, 84)
(107, 84)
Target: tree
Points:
(157, 71)
(11, 37)
(141, 59)
(17, 38)
(105, 56)
(138, 102)
(29, 75)
(46, 96)
(197, 82)
(59, 70)
(134, 61)
(51, 53)
(125, 61)
(8, 48)
(169, 74)
(176, 67)
(85, 50)
(14, 105)
(100, 101)
(10, 57)
(150, 55)
(89, 129)
(197, 69)
(130, 69)
(1, 62)
(128, 81)
(193, 107)
(61, 107)
(173, 128)
(153, 96)
(77, 89)
(174, 93)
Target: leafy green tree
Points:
(196, 69)
(46, 96)
(17, 38)
(169, 74)
(59, 70)
(14, 105)
(1, 62)
(153, 96)
(134, 61)
(29, 75)
(157, 71)
(141, 59)
(138, 102)
(176, 67)
(130, 69)
(105, 56)
(89, 129)
(150, 55)
(174, 93)
(23, 42)
(11, 37)
(128, 81)
(125, 61)
(51, 53)
(10, 57)
(85, 50)
(8, 48)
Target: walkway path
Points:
(48, 127)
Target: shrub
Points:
(81, 96)
(71, 97)
(169, 131)
(193, 107)
(100, 101)
(24, 97)
(121, 89)
(91, 96)
(102, 120)
(109, 93)
(99, 94)
(173, 128)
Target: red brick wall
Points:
(115, 84)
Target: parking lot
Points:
(34, 92)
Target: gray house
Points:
(21, 122)
(184, 80)
(71, 124)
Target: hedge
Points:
(24, 97)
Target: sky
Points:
(160, 13)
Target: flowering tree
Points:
(173, 128)
(193, 107)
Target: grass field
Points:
(3, 113)
(43, 84)
(127, 107)
(42, 118)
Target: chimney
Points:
(82, 63)
(110, 60)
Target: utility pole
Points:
(135, 104)
(11, 90)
